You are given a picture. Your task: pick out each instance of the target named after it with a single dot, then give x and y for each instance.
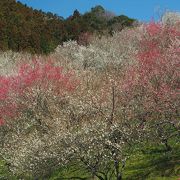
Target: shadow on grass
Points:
(73, 171)
(154, 163)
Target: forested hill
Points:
(26, 29)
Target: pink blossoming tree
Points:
(151, 87)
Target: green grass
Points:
(4, 172)
(73, 171)
(152, 164)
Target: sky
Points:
(142, 10)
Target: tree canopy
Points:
(23, 28)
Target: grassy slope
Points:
(153, 164)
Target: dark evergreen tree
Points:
(25, 29)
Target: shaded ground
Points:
(151, 164)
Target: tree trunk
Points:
(119, 177)
(168, 147)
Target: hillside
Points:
(91, 97)
(25, 29)
(107, 111)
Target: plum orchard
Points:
(151, 88)
(49, 119)
(32, 85)
(32, 104)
